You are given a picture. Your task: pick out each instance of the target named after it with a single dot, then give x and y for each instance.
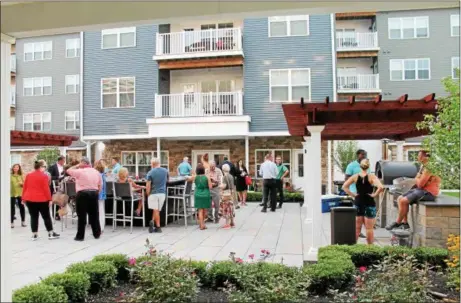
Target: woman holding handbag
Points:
(242, 179)
(227, 197)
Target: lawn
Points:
(452, 194)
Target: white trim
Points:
(76, 120)
(40, 149)
(333, 55)
(6, 38)
(34, 45)
(289, 86)
(76, 87)
(274, 153)
(269, 134)
(118, 91)
(451, 24)
(401, 27)
(77, 49)
(152, 152)
(41, 121)
(194, 153)
(118, 31)
(407, 144)
(115, 137)
(453, 67)
(287, 20)
(42, 80)
(402, 62)
(210, 54)
(187, 120)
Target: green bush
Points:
(40, 293)
(76, 285)
(333, 270)
(223, 272)
(102, 274)
(120, 262)
(433, 255)
(288, 196)
(161, 279)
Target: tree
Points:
(443, 140)
(50, 155)
(345, 153)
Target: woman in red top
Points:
(37, 196)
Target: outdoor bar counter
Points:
(172, 181)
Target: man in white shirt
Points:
(268, 171)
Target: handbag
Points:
(60, 199)
(248, 180)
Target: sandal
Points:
(203, 228)
(227, 226)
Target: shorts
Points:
(156, 201)
(417, 194)
(366, 211)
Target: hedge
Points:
(256, 196)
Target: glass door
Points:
(216, 155)
(298, 172)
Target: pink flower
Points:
(238, 260)
(362, 269)
(122, 294)
(268, 252)
(251, 256)
(132, 261)
(263, 251)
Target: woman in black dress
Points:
(240, 176)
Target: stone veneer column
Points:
(6, 260)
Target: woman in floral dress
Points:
(227, 197)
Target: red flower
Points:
(362, 269)
(132, 261)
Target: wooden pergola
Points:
(362, 120)
(24, 138)
(374, 119)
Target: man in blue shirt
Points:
(115, 165)
(184, 168)
(354, 168)
(157, 180)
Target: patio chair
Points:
(182, 206)
(110, 197)
(70, 191)
(124, 193)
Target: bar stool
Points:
(71, 192)
(110, 197)
(182, 205)
(124, 193)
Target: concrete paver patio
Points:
(281, 233)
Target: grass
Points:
(452, 194)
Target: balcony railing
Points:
(358, 83)
(211, 42)
(13, 63)
(356, 41)
(13, 96)
(199, 105)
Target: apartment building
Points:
(48, 91)
(209, 86)
(13, 87)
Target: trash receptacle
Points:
(343, 225)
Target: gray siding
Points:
(439, 47)
(263, 53)
(57, 68)
(119, 62)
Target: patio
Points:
(283, 233)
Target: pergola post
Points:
(306, 175)
(158, 150)
(313, 189)
(63, 150)
(247, 153)
(400, 150)
(6, 259)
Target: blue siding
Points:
(263, 53)
(120, 62)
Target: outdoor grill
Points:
(387, 171)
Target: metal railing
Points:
(356, 41)
(199, 105)
(195, 42)
(358, 83)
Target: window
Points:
(455, 67)
(73, 48)
(454, 23)
(118, 37)
(412, 155)
(285, 26)
(15, 159)
(118, 92)
(72, 84)
(408, 28)
(410, 69)
(285, 154)
(72, 120)
(290, 84)
(37, 86)
(138, 163)
(37, 122)
(38, 51)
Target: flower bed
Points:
(356, 273)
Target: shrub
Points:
(161, 279)
(333, 270)
(453, 262)
(120, 261)
(221, 273)
(102, 274)
(432, 255)
(76, 285)
(40, 293)
(288, 196)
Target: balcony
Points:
(199, 44)
(13, 96)
(13, 63)
(199, 115)
(347, 41)
(358, 84)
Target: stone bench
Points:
(434, 221)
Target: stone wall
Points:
(28, 158)
(180, 148)
(406, 148)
